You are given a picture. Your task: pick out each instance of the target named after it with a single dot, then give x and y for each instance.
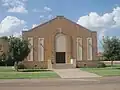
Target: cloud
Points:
(18, 10)
(36, 10)
(47, 9)
(102, 34)
(11, 25)
(101, 23)
(25, 29)
(34, 25)
(17, 6)
(45, 15)
(45, 18)
(44, 10)
(50, 16)
(41, 16)
(17, 34)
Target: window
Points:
(79, 48)
(89, 48)
(30, 56)
(40, 49)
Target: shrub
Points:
(101, 65)
(2, 63)
(21, 65)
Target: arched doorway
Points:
(60, 44)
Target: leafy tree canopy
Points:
(18, 49)
(111, 48)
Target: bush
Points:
(2, 63)
(21, 65)
(101, 65)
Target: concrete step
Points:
(63, 66)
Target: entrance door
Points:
(60, 57)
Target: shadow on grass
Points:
(34, 70)
(114, 66)
(117, 68)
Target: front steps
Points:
(63, 66)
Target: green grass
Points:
(6, 69)
(9, 73)
(108, 71)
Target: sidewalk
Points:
(74, 73)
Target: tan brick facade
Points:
(49, 30)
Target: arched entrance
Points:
(60, 44)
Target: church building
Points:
(61, 43)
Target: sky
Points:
(102, 16)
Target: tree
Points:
(4, 38)
(18, 49)
(111, 48)
(4, 49)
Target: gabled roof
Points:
(58, 17)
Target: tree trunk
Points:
(111, 63)
(16, 66)
(6, 65)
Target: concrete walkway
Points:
(74, 73)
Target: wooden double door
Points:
(60, 57)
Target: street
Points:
(108, 83)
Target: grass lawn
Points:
(9, 73)
(108, 71)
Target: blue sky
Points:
(102, 16)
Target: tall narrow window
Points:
(40, 49)
(30, 56)
(89, 48)
(79, 48)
